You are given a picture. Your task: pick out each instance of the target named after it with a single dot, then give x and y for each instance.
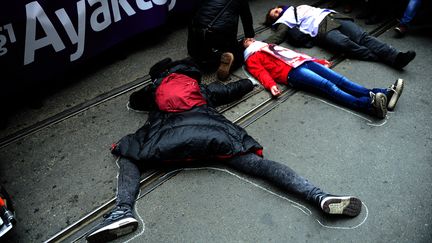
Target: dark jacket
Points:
(228, 20)
(199, 133)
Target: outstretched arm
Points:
(221, 94)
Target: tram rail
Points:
(153, 179)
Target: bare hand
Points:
(275, 91)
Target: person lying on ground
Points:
(271, 64)
(305, 26)
(184, 127)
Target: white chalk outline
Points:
(299, 206)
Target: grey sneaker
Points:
(379, 104)
(118, 222)
(342, 205)
(394, 93)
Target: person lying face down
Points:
(305, 26)
(271, 64)
(184, 127)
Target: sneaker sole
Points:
(395, 97)
(349, 206)
(224, 68)
(381, 109)
(113, 231)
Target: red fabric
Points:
(177, 93)
(267, 69)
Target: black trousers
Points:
(251, 164)
(206, 47)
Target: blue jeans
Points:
(311, 75)
(410, 11)
(352, 40)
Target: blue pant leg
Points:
(341, 81)
(303, 77)
(355, 33)
(410, 11)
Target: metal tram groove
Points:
(155, 178)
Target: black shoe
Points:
(379, 104)
(394, 92)
(341, 205)
(118, 222)
(403, 58)
(401, 30)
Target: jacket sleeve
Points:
(247, 21)
(221, 94)
(257, 70)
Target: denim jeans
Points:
(251, 164)
(311, 75)
(410, 11)
(352, 40)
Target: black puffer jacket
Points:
(228, 20)
(199, 133)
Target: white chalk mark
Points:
(369, 122)
(347, 227)
(299, 206)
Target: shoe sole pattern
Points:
(113, 231)
(226, 62)
(395, 97)
(349, 206)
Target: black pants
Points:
(206, 48)
(251, 164)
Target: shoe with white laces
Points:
(120, 221)
(341, 205)
(394, 93)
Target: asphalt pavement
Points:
(61, 173)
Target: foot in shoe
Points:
(226, 61)
(394, 93)
(379, 104)
(341, 205)
(117, 223)
(403, 58)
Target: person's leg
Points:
(410, 12)
(287, 179)
(120, 221)
(357, 96)
(356, 34)
(337, 41)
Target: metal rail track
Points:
(155, 178)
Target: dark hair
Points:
(268, 19)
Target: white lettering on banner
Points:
(125, 6)
(76, 37)
(99, 19)
(171, 5)
(35, 13)
(103, 11)
(3, 41)
(10, 32)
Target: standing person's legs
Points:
(287, 179)
(120, 221)
(355, 33)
